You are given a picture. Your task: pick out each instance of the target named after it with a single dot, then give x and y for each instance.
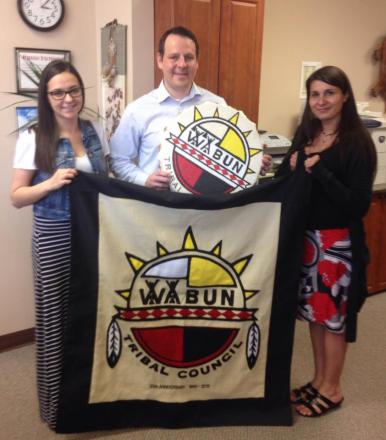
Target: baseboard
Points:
(12, 340)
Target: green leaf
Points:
(15, 103)
(90, 112)
(31, 78)
(25, 126)
(36, 70)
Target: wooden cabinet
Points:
(375, 226)
(240, 54)
(230, 36)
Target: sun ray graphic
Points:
(231, 140)
(135, 263)
(161, 250)
(241, 264)
(197, 114)
(235, 118)
(202, 269)
(189, 240)
(217, 249)
(254, 151)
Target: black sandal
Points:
(319, 405)
(305, 392)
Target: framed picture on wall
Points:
(31, 62)
(25, 116)
(308, 67)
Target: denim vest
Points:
(56, 205)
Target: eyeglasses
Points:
(59, 94)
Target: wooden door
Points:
(203, 18)
(240, 54)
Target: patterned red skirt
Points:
(326, 275)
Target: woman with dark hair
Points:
(332, 145)
(46, 161)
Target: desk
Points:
(375, 227)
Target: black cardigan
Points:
(340, 197)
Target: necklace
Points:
(327, 137)
(329, 134)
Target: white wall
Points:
(339, 32)
(142, 47)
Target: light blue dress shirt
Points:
(134, 146)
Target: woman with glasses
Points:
(47, 159)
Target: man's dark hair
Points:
(182, 32)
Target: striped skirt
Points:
(51, 255)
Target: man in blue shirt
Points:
(135, 144)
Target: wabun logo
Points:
(211, 149)
(192, 286)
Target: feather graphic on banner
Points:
(114, 343)
(253, 344)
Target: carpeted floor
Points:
(362, 416)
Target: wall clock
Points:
(41, 15)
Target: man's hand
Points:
(265, 164)
(159, 180)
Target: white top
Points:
(135, 144)
(82, 163)
(24, 157)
